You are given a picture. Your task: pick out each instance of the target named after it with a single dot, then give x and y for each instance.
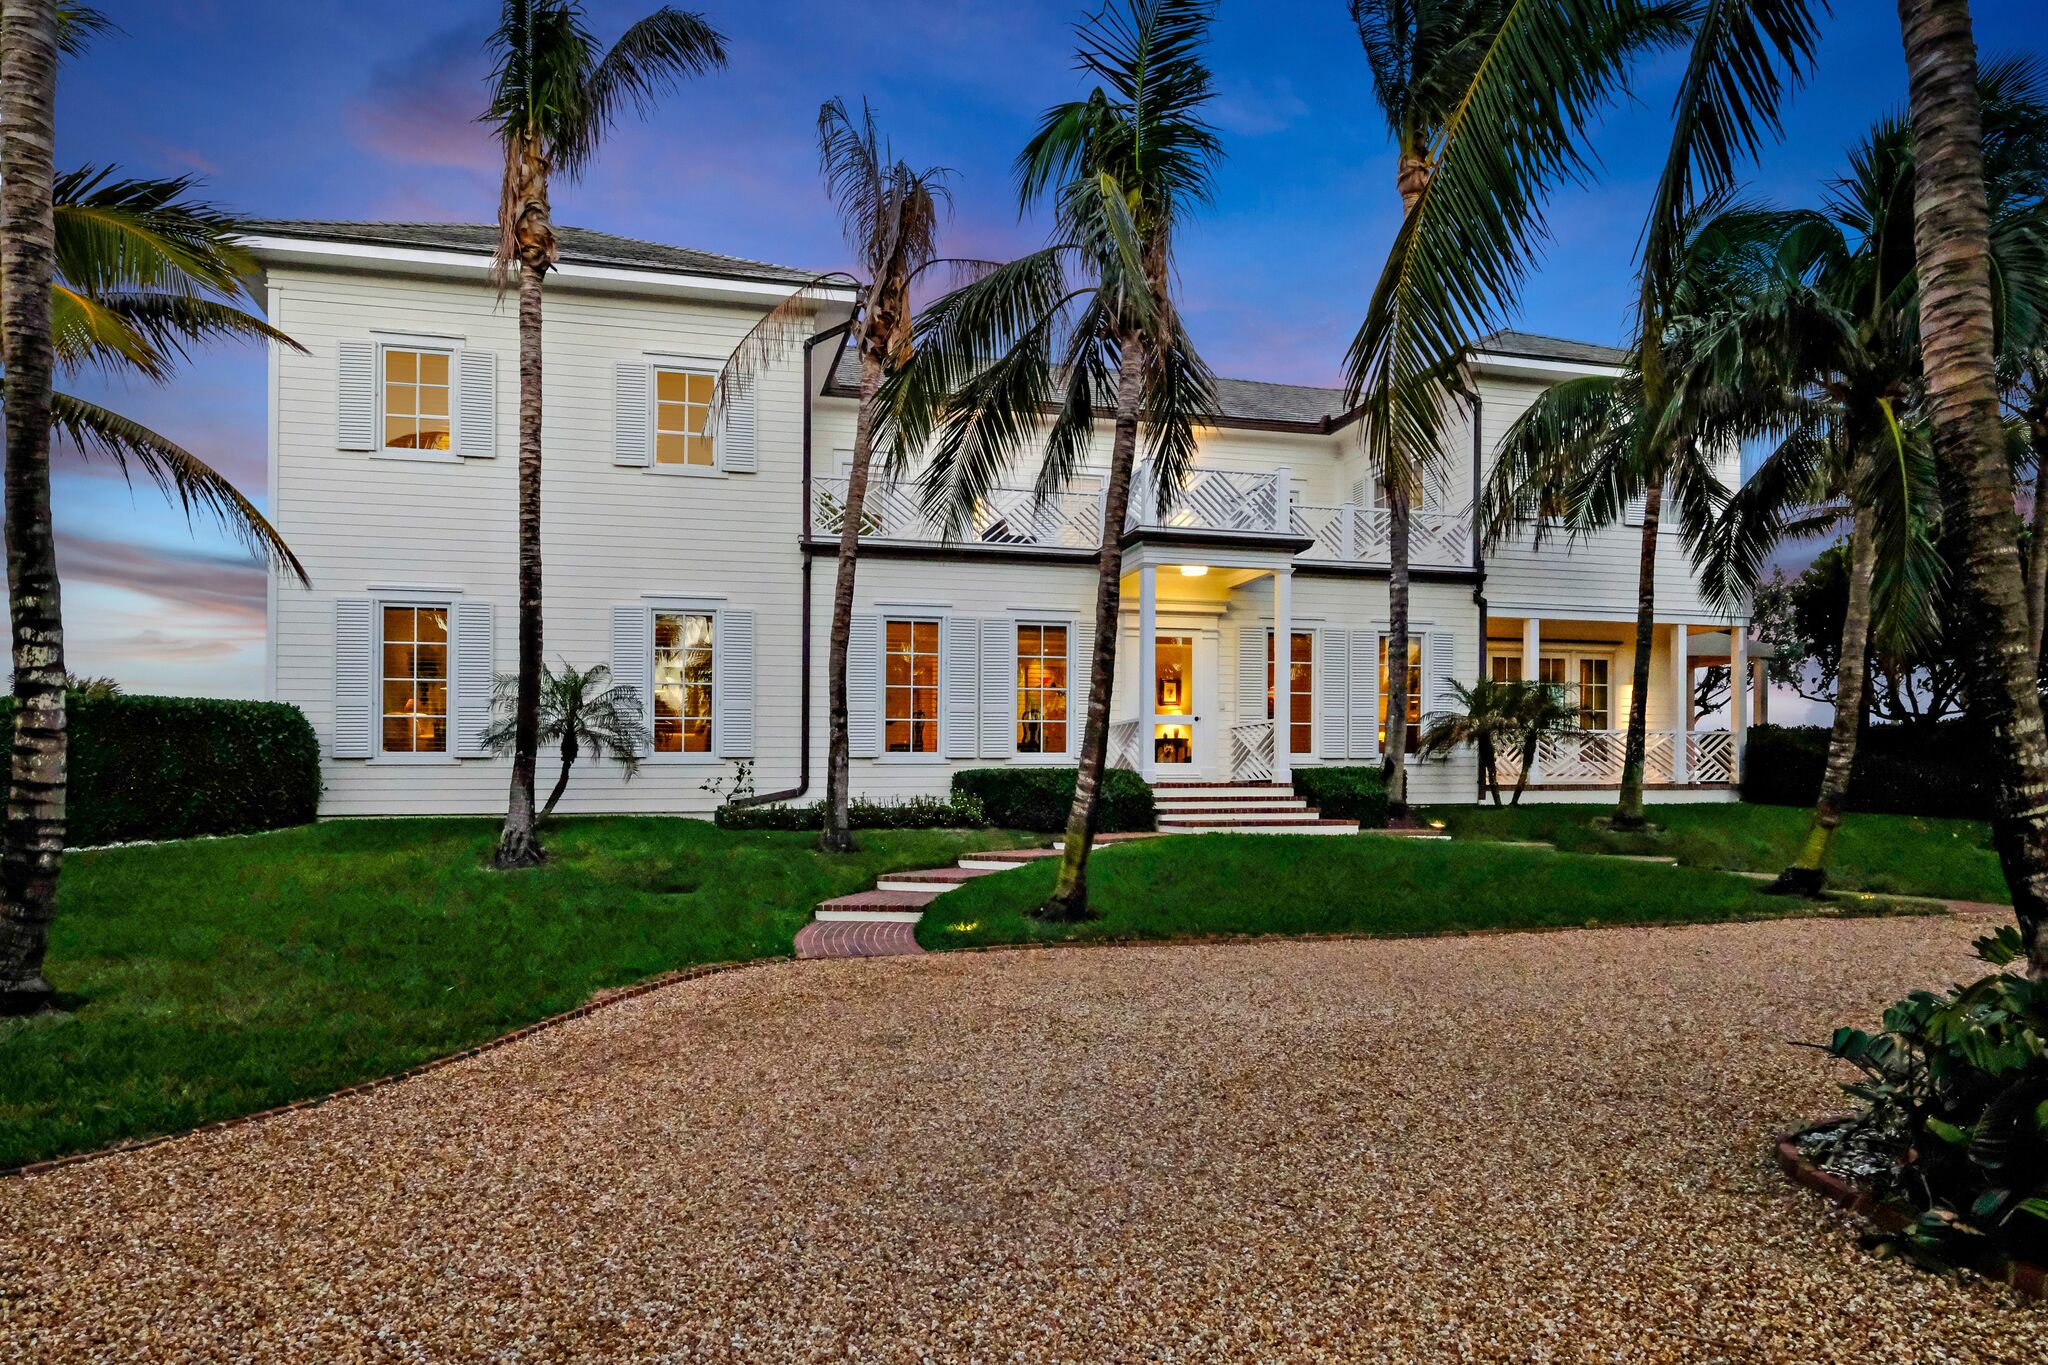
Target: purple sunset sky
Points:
(366, 110)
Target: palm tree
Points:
(554, 95)
(1086, 324)
(1952, 237)
(33, 851)
(1514, 715)
(579, 709)
(889, 215)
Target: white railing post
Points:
(1681, 710)
(1283, 494)
(1347, 532)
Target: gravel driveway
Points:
(1517, 1148)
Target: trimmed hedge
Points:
(1040, 798)
(1344, 794)
(174, 767)
(919, 812)
(1943, 770)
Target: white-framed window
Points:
(1043, 675)
(1594, 709)
(1301, 687)
(412, 683)
(1414, 731)
(682, 419)
(1504, 667)
(418, 384)
(910, 685)
(683, 681)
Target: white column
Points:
(1681, 700)
(1738, 696)
(1283, 656)
(1148, 664)
(1532, 649)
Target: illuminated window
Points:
(416, 399)
(1414, 743)
(1593, 694)
(682, 418)
(1300, 690)
(1041, 689)
(682, 683)
(415, 680)
(1504, 668)
(910, 687)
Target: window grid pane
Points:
(910, 687)
(1414, 744)
(416, 400)
(1300, 690)
(682, 418)
(1041, 689)
(1592, 694)
(682, 683)
(414, 702)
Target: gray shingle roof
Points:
(581, 246)
(1532, 346)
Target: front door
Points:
(1174, 721)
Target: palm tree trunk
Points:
(1489, 766)
(1628, 812)
(1529, 747)
(837, 834)
(1069, 900)
(1394, 762)
(569, 748)
(33, 851)
(519, 841)
(2037, 544)
(1808, 872)
(1952, 242)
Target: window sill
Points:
(417, 456)
(414, 760)
(675, 471)
(667, 760)
(918, 760)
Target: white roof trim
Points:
(1533, 368)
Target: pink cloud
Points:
(421, 108)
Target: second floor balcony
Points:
(1223, 502)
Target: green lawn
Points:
(1893, 854)
(213, 978)
(1267, 884)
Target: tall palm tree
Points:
(554, 95)
(1952, 232)
(1087, 324)
(889, 214)
(33, 850)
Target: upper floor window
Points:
(415, 680)
(682, 419)
(1041, 689)
(1300, 690)
(682, 682)
(416, 399)
(910, 687)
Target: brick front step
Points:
(1002, 859)
(1268, 827)
(905, 907)
(1233, 811)
(856, 938)
(939, 879)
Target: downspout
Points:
(1478, 557)
(803, 550)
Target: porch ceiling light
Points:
(1193, 570)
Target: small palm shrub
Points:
(1952, 1114)
(579, 709)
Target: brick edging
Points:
(2024, 1276)
(603, 1000)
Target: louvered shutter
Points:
(473, 677)
(476, 404)
(960, 693)
(1440, 670)
(738, 449)
(1333, 681)
(1080, 677)
(633, 660)
(1634, 510)
(1365, 694)
(1251, 674)
(632, 414)
(733, 689)
(864, 687)
(355, 393)
(354, 647)
(999, 688)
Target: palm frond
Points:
(649, 60)
(143, 332)
(143, 233)
(1551, 451)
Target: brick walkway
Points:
(856, 938)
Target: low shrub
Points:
(1040, 798)
(1942, 770)
(1344, 794)
(175, 767)
(918, 812)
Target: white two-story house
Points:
(697, 558)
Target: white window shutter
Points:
(354, 677)
(355, 394)
(1365, 694)
(737, 448)
(476, 404)
(1251, 676)
(864, 687)
(732, 685)
(1333, 682)
(959, 688)
(632, 414)
(1440, 670)
(1080, 677)
(474, 675)
(1634, 510)
(999, 687)
(633, 660)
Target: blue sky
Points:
(366, 110)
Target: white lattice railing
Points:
(1595, 757)
(1123, 745)
(1251, 752)
(1710, 756)
(1359, 535)
(1007, 516)
(1212, 500)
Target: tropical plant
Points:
(579, 709)
(555, 93)
(1952, 241)
(1038, 346)
(889, 215)
(1514, 716)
